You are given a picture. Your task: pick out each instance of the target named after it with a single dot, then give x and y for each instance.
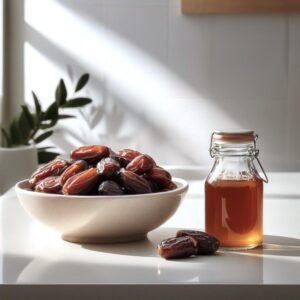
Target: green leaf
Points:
(37, 104)
(45, 156)
(61, 93)
(14, 132)
(77, 102)
(41, 149)
(43, 136)
(52, 112)
(48, 124)
(61, 117)
(5, 137)
(82, 82)
(28, 115)
(24, 128)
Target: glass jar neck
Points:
(235, 153)
(233, 168)
(234, 163)
(233, 150)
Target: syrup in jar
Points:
(234, 191)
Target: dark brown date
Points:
(77, 167)
(134, 182)
(206, 244)
(128, 154)
(154, 187)
(108, 167)
(110, 187)
(50, 185)
(81, 183)
(121, 160)
(91, 154)
(170, 187)
(177, 247)
(141, 164)
(53, 168)
(160, 176)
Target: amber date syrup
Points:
(233, 212)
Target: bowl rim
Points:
(183, 188)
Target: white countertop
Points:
(32, 254)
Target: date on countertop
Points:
(188, 243)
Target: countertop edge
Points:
(155, 291)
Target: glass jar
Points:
(234, 190)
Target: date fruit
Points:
(154, 187)
(177, 247)
(110, 187)
(108, 167)
(134, 182)
(171, 186)
(141, 164)
(121, 160)
(81, 183)
(124, 172)
(160, 176)
(206, 243)
(128, 154)
(50, 185)
(77, 167)
(91, 154)
(53, 168)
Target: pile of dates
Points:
(188, 243)
(97, 170)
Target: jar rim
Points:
(233, 136)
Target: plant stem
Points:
(35, 130)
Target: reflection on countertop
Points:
(277, 262)
(33, 254)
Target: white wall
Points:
(162, 81)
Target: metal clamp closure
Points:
(253, 153)
(255, 156)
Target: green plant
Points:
(34, 127)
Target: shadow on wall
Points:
(158, 77)
(108, 108)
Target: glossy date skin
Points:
(110, 188)
(49, 185)
(160, 176)
(127, 171)
(121, 160)
(81, 183)
(91, 153)
(53, 168)
(177, 247)
(77, 167)
(188, 243)
(134, 183)
(170, 186)
(141, 164)
(206, 243)
(128, 154)
(108, 167)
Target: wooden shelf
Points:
(239, 6)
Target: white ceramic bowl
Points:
(102, 219)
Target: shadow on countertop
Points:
(273, 245)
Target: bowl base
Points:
(103, 240)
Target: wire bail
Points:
(256, 152)
(211, 152)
